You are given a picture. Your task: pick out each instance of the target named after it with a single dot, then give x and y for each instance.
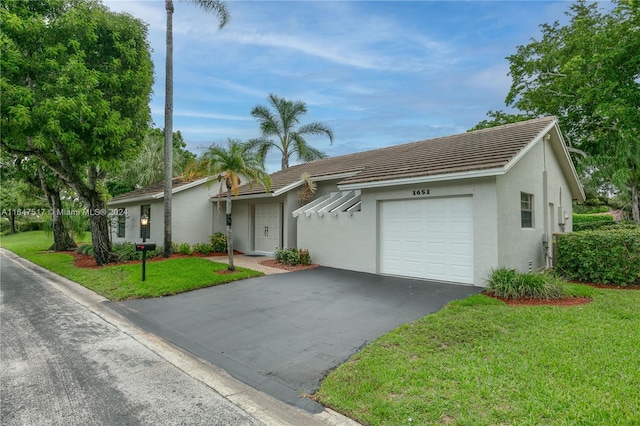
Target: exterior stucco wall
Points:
(522, 248)
(351, 242)
(191, 217)
(243, 210)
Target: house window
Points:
(526, 210)
(146, 232)
(122, 221)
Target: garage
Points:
(430, 238)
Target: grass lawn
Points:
(124, 281)
(481, 362)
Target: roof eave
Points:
(471, 174)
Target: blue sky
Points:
(379, 73)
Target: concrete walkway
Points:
(249, 262)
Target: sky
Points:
(378, 73)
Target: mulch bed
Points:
(272, 263)
(87, 261)
(567, 301)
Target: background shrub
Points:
(584, 218)
(204, 248)
(127, 252)
(512, 284)
(600, 256)
(85, 249)
(218, 242)
(292, 256)
(185, 248)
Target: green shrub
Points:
(204, 248)
(85, 249)
(185, 248)
(511, 284)
(601, 256)
(292, 256)
(585, 218)
(590, 226)
(305, 257)
(218, 242)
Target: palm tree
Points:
(230, 166)
(280, 123)
(220, 9)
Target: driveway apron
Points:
(282, 334)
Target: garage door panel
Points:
(428, 238)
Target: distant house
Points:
(445, 209)
(192, 212)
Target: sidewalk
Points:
(249, 262)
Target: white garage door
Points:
(428, 238)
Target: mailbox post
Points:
(144, 246)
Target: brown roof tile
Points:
(477, 150)
(149, 191)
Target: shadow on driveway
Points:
(282, 334)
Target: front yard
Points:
(482, 362)
(476, 362)
(120, 282)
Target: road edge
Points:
(259, 405)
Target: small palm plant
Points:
(230, 165)
(308, 189)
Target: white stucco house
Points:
(191, 212)
(446, 209)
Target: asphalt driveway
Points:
(283, 333)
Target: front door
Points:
(267, 227)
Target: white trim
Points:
(322, 178)
(425, 179)
(158, 195)
(529, 146)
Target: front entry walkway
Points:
(282, 334)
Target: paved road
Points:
(281, 334)
(62, 364)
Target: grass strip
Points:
(482, 362)
(121, 282)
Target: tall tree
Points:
(281, 122)
(230, 166)
(219, 8)
(147, 167)
(587, 73)
(75, 93)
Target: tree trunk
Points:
(62, 239)
(284, 164)
(12, 221)
(229, 233)
(168, 130)
(100, 232)
(635, 204)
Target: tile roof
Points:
(478, 150)
(148, 192)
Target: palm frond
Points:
(219, 8)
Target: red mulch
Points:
(567, 301)
(87, 261)
(275, 264)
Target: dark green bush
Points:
(512, 284)
(305, 257)
(185, 248)
(203, 248)
(127, 252)
(218, 242)
(601, 256)
(585, 218)
(605, 225)
(292, 256)
(85, 249)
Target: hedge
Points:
(600, 256)
(585, 218)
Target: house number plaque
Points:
(420, 192)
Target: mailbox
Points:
(145, 246)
